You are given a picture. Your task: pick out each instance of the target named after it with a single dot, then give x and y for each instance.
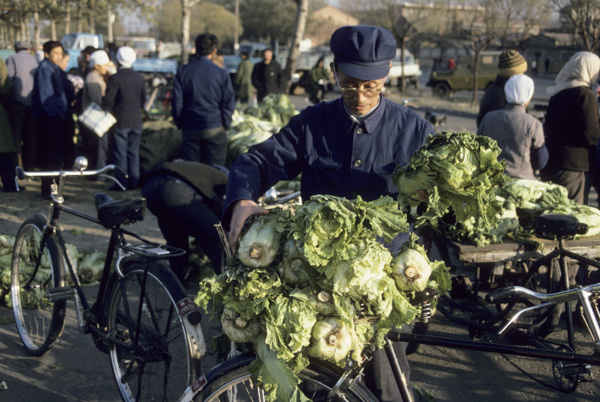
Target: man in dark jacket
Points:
(203, 103)
(510, 63)
(187, 199)
(124, 98)
(346, 147)
(267, 76)
(50, 104)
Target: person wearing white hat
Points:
(94, 148)
(125, 94)
(520, 136)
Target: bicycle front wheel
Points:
(316, 383)
(148, 346)
(37, 266)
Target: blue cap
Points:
(363, 51)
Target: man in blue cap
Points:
(346, 147)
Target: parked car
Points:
(444, 82)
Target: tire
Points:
(441, 90)
(154, 363)
(39, 320)
(316, 383)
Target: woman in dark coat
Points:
(571, 126)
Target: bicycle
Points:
(532, 292)
(142, 317)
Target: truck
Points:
(444, 82)
(74, 43)
(412, 70)
(254, 50)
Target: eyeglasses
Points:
(349, 91)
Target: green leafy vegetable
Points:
(459, 172)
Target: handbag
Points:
(96, 119)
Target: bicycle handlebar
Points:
(21, 174)
(504, 295)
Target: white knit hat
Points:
(519, 89)
(99, 57)
(126, 56)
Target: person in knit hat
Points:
(520, 136)
(510, 63)
(125, 95)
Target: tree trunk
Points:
(186, 12)
(402, 80)
(109, 23)
(68, 21)
(91, 23)
(36, 27)
(78, 18)
(290, 65)
(475, 75)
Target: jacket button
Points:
(358, 163)
(359, 130)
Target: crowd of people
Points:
(40, 100)
(564, 149)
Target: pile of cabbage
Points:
(524, 200)
(252, 125)
(89, 266)
(316, 281)
(456, 185)
(458, 173)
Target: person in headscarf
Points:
(571, 126)
(520, 136)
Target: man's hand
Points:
(242, 210)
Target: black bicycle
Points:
(142, 316)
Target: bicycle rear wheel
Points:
(37, 266)
(317, 381)
(148, 347)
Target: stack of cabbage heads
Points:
(317, 282)
(459, 173)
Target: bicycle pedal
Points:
(60, 294)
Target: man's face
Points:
(362, 102)
(64, 63)
(55, 55)
(268, 56)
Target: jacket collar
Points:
(369, 122)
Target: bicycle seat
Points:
(559, 225)
(113, 213)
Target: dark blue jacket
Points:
(335, 155)
(125, 96)
(48, 97)
(202, 96)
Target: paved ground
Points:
(74, 370)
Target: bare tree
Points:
(404, 20)
(584, 16)
(290, 65)
(186, 13)
(485, 25)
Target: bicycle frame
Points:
(567, 296)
